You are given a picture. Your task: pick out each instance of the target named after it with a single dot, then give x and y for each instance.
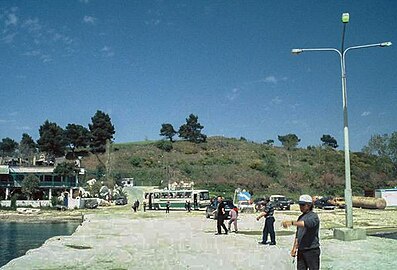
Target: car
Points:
(91, 204)
(245, 206)
(324, 203)
(121, 201)
(280, 202)
(209, 211)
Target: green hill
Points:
(223, 164)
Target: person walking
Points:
(268, 212)
(306, 244)
(220, 219)
(233, 219)
(167, 207)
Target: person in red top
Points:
(233, 219)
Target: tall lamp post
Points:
(342, 56)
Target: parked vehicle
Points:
(91, 204)
(246, 206)
(324, 203)
(280, 202)
(212, 207)
(157, 199)
(121, 201)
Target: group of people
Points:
(306, 246)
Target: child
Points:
(233, 219)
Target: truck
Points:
(280, 202)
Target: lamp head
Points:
(345, 17)
(296, 51)
(386, 44)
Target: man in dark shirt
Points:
(221, 213)
(268, 213)
(306, 244)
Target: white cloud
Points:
(233, 94)
(32, 25)
(277, 100)
(24, 128)
(365, 113)
(89, 19)
(12, 19)
(107, 51)
(270, 79)
(153, 22)
(32, 53)
(9, 38)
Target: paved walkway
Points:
(176, 241)
(114, 239)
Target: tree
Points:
(377, 145)
(8, 147)
(101, 130)
(289, 141)
(27, 146)
(51, 139)
(329, 141)
(168, 131)
(269, 142)
(65, 169)
(77, 136)
(383, 146)
(191, 131)
(29, 185)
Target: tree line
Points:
(55, 141)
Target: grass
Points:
(224, 164)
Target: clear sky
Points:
(229, 62)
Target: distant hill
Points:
(223, 164)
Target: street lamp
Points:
(342, 56)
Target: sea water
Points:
(17, 238)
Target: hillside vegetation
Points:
(223, 164)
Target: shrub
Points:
(14, 202)
(164, 145)
(135, 161)
(55, 201)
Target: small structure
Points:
(390, 196)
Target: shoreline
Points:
(44, 216)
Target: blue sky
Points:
(229, 62)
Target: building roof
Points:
(21, 169)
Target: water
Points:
(17, 238)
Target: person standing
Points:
(220, 219)
(306, 244)
(144, 206)
(233, 219)
(135, 206)
(167, 207)
(268, 212)
(188, 206)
